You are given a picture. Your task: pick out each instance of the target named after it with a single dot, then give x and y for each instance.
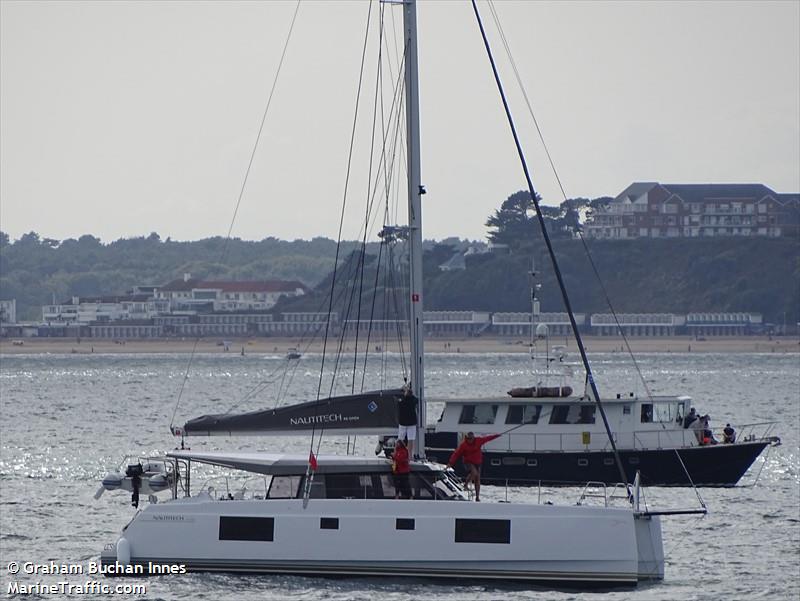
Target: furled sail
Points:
(365, 413)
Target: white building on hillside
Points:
(190, 294)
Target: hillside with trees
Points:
(678, 275)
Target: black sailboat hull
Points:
(714, 465)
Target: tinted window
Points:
(586, 415)
(387, 486)
(647, 412)
(572, 414)
(483, 531)
(404, 524)
(346, 486)
(329, 523)
(527, 414)
(284, 487)
(240, 528)
(478, 414)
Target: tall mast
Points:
(415, 192)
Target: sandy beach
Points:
(605, 344)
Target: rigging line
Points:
(388, 171)
(546, 236)
(525, 94)
(370, 199)
(341, 220)
(614, 314)
(564, 194)
(354, 269)
(261, 127)
(689, 476)
(241, 194)
(392, 138)
(351, 277)
(371, 314)
(349, 291)
(183, 384)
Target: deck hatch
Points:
(483, 531)
(246, 528)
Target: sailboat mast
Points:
(415, 192)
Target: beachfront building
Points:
(124, 329)
(193, 294)
(654, 210)
(301, 323)
(519, 324)
(724, 324)
(102, 309)
(636, 324)
(456, 323)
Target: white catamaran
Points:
(323, 515)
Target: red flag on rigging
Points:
(312, 461)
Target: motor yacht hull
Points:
(578, 546)
(711, 465)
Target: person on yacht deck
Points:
(728, 434)
(470, 451)
(401, 468)
(690, 418)
(407, 418)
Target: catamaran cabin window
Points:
(375, 486)
(572, 414)
(523, 414)
(478, 414)
(284, 487)
(349, 486)
(647, 413)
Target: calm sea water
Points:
(67, 420)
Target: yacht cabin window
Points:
(523, 414)
(660, 412)
(663, 412)
(424, 485)
(572, 414)
(284, 487)
(478, 414)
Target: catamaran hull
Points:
(713, 465)
(555, 545)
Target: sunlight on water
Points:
(68, 420)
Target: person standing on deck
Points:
(407, 418)
(401, 467)
(470, 451)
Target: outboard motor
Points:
(134, 472)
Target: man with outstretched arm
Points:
(470, 451)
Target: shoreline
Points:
(594, 344)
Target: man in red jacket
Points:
(470, 451)
(401, 467)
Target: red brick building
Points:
(653, 210)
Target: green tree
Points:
(512, 223)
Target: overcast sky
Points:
(124, 118)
